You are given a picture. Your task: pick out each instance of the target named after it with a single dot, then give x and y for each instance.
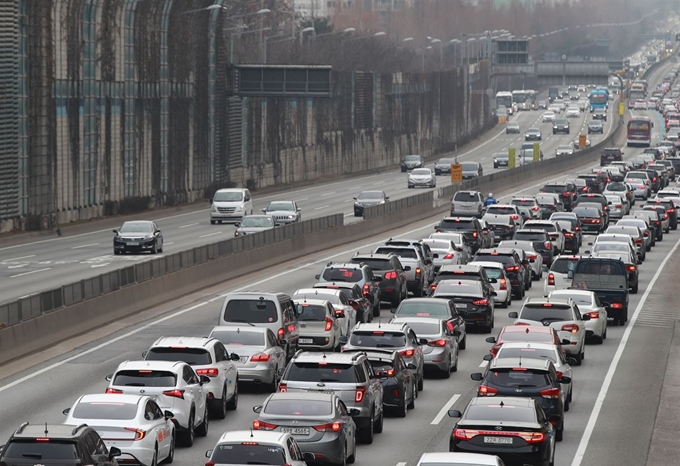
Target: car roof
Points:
(186, 342)
(483, 264)
(426, 301)
(373, 256)
(170, 366)
(113, 398)
(451, 459)
(497, 251)
(244, 328)
(506, 400)
(378, 326)
(574, 292)
(459, 267)
(331, 285)
(253, 436)
(61, 431)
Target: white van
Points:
(230, 205)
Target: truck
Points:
(553, 93)
(608, 279)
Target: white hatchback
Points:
(558, 275)
(588, 303)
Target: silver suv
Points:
(349, 375)
(467, 203)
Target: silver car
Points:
(320, 423)
(344, 312)
(444, 252)
(254, 224)
(284, 212)
(261, 356)
(462, 248)
(467, 203)
(535, 258)
(421, 178)
(588, 303)
(319, 326)
(441, 350)
(564, 150)
(548, 116)
(618, 207)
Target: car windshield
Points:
(321, 372)
(494, 413)
(529, 353)
(378, 339)
(228, 196)
(371, 195)
(192, 356)
(425, 328)
(564, 148)
(145, 378)
(616, 200)
(412, 158)
(342, 275)
(301, 407)
(247, 453)
(616, 187)
(312, 313)
(421, 309)
(446, 161)
(382, 368)
(528, 336)
(41, 451)
(530, 236)
(563, 265)
(610, 246)
(501, 155)
(545, 200)
(549, 311)
(257, 222)
(421, 172)
(406, 253)
(494, 272)
(136, 227)
(109, 410)
(519, 377)
(255, 311)
(586, 212)
(239, 337)
(281, 206)
(438, 245)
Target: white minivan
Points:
(230, 205)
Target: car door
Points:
(227, 367)
(347, 423)
(195, 391)
(160, 429)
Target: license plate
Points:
(306, 341)
(466, 207)
(133, 243)
(498, 440)
(330, 392)
(296, 430)
(461, 305)
(244, 359)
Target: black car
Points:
(468, 226)
(597, 199)
(57, 444)
(368, 199)
(609, 155)
(517, 430)
(412, 161)
(541, 241)
(566, 191)
(503, 226)
(594, 182)
(513, 267)
(138, 236)
(592, 219)
(670, 210)
(355, 297)
(654, 178)
(361, 274)
(572, 231)
(400, 387)
(393, 274)
(461, 272)
(526, 378)
(473, 301)
(561, 126)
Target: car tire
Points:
(212, 222)
(446, 374)
(219, 407)
(567, 405)
(189, 435)
(171, 454)
(559, 435)
(455, 366)
(634, 289)
(202, 430)
(378, 426)
(421, 383)
(414, 395)
(353, 457)
(233, 403)
(273, 386)
(154, 250)
(365, 434)
(463, 343)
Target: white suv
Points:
(176, 387)
(558, 275)
(209, 357)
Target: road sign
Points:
(537, 152)
(511, 157)
(622, 108)
(456, 173)
(582, 140)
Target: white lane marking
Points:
(168, 244)
(484, 364)
(590, 427)
(321, 207)
(17, 266)
(445, 409)
(29, 273)
(84, 246)
(211, 234)
(100, 265)
(189, 225)
(329, 194)
(348, 215)
(402, 464)
(19, 258)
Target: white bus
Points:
(504, 99)
(521, 101)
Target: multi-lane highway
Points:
(615, 397)
(40, 265)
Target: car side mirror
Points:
(490, 340)
(436, 227)
(454, 413)
(264, 210)
(585, 317)
(354, 412)
(237, 224)
(114, 451)
(66, 411)
(458, 249)
(168, 414)
(234, 357)
(477, 376)
(354, 198)
(423, 341)
(257, 409)
(639, 262)
(308, 457)
(513, 315)
(565, 379)
(208, 453)
(411, 366)
(407, 268)
(115, 231)
(570, 274)
(566, 342)
(572, 361)
(488, 357)
(144, 354)
(204, 379)
(342, 340)
(108, 377)
(298, 209)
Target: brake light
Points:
(113, 391)
(565, 194)
(41, 439)
(618, 206)
(532, 256)
(260, 357)
(617, 306)
(439, 343)
(261, 425)
(329, 324)
(464, 434)
(407, 353)
(577, 229)
(355, 305)
(333, 426)
(480, 302)
(448, 256)
(594, 315)
(512, 268)
(551, 393)
(391, 276)
(359, 394)
(418, 271)
(469, 434)
(174, 393)
(665, 216)
(522, 323)
(631, 268)
(548, 244)
(551, 279)
(514, 217)
(573, 328)
(210, 463)
(281, 333)
(283, 387)
(654, 179)
(670, 210)
(638, 241)
(433, 286)
(139, 434)
(474, 234)
(504, 284)
(483, 390)
(450, 326)
(366, 289)
(210, 372)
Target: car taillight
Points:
(535, 208)
(174, 393)
(333, 426)
(261, 425)
(631, 268)
(577, 229)
(210, 463)
(512, 268)
(474, 234)
(504, 284)
(514, 217)
(550, 393)
(113, 391)
(329, 324)
(597, 220)
(407, 353)
(355, 304)
(391, 276)
(480, 302)
(654, 179)
(260, 357)
(483, 390)
(418, 271)
(449, 256)
(665, 216)
(617, 306)
(565, 194)
(210, 372)
(618, 206)
(439, 343)
(139, 433)
(585, 189)
(281, 333)
(593, 315)
(548, 244)
(450, 326)
(283, 387)
(359, 394)
(573, 328)
(531, 257)
(464, 434)
(366, 289)
(638, 241)
(551, 279)
(433, 286)
(670, 211)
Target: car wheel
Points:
(233, 403)
(353, 457)
(566, 405)
(366, 434)
(219, 407)
(212, 222)
(171, 453)
(447, 373)
(559, 435)
(463, 343)
(634, 289)
(189, 435)
(154, 250)
(403, 409)
(154, 459)
(414, 395)
(421, 383)
(455, 365)
(202, 430)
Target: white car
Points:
(560, 314)
(499, 281)
(444, 252)
(261, 357)
(550, 227)
(573, 112)
(459, 459)
(344, 312)
(456, 238)
(239, 447)
(548, 116)
(133, 423)
(319, 326)
(422, 178)
(588, 303)
(208, 357)
(618, 206)
(668, 193)
(556, 109)
(640, 105)
(176, 387)
(535, 258)
(558, 275)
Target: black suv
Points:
(461, 272)
(468, 226)
(561, 126)
(670, 210)
(513, 267)
(609, 155)
(361, 274)
(54, 444)
(527, 378)
(566, 191)
(393, 286)
(541, 241)
(356, 299)
(594, 183)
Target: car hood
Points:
(368, 203)
(134, 235)
(420, 177)
(280, 213)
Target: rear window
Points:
(499, 413)
(235, 337)
(524, 202)
(493, 272)
(446, 275)
(586, 212)
(299, 407)
(500, 210)
(563, 265)
(462, 196)
(530, 336)
(530, 353)
(192, 356)
(457, 225)
(378, 339)
(484, 257)
(256, 311)
(542, 226)
(554, 189)
(377, 264)
(321, 372)
(401, 252)
(529, 236)
(145, 378)
(312, 313)
(416, 309)
(539, 312)
(458, 289)
(248, 454)
(521, 378)
(425, 328)
(342, 275)
(382, 367)
(52, 450)
(105, 410)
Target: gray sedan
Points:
(444, 252)
(284, 212)
(254, 224)
(441, 351)
(320, 423)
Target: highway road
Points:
(609, 424)
(41, 265)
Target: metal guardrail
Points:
(45, 302)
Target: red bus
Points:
(639, 132)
